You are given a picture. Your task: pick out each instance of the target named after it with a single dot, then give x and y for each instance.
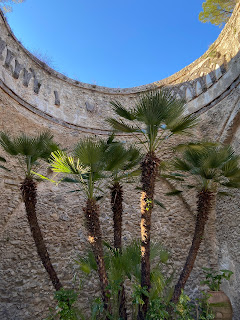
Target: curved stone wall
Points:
(34, 97)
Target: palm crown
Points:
(154, 113)
(87, 164)
(92, 159)
(28, 150)
(211, 165)
(120, 161)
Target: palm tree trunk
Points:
(204, 206)
(116, 202)
(149, 170)
(95, 239)
(29, 193)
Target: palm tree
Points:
(120, 163)
(156, 116)
(211, 166)
(87, 165)
(29, 151)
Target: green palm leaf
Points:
(87, 164)
(160, 204)
(195, 145)
(181, 165)
(121, 111)
(230, 168)
(211, 164)
(29, 149)
(90, 153)
(151, 109)
(154, 112)
(182, 125)
(174, 193)
(7, 144)
(61, 163)
(121, 160)
(121, 126)
(233, 182)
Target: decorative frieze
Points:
(9, 58)
(27, 74)
(2, 47)
(17, 70)
(57, 99)
(26, 77)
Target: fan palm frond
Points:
(182, 125)
(90, 153)
(217, 156)
(119, 158)
(153, 112)
(230, 168)
(211, 164)
(31, 149)
(121, 126)
(232, 183)
(87, 164)
(61, 163)
(194, 145)
(121, 111)
(181, 165)
(115, 157)
(151, 109)
(87, 263)
(158, 284)
(7, 144)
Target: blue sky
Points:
(114, 43)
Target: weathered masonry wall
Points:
(34, 97)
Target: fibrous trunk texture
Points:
(95, 239)
(116, 202)
(122, 303)
(29, 193)
(149, 170)
(204, 206)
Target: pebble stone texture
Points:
(33, 97)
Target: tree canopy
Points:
(217, 11)
(6, 7)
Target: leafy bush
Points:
(65, 309)
(214, 278)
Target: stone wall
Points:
(34, 97)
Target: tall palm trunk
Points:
(29, 193)
(149, 170)
(116, 202)
(204, 206)
(95, 239)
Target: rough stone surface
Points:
(34, 97)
